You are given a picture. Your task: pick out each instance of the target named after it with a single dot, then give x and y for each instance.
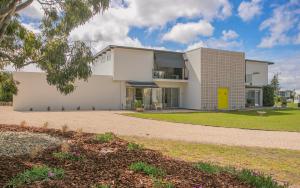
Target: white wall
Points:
(192, 91)
(133, 64)
(103, 66)
(260, 79)
(34, 92)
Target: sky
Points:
(263, 29)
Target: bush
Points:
(268, 95)
(138, 104)
(147, 169)
(37, 173)
(8, 87)
(106, 137)
(68, 156)
(134, 146)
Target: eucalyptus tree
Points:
(51, 50)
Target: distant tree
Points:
(63, 60)
(8, 87)
(268, 95)
(275, 84)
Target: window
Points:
(108, 56)
(249, 78)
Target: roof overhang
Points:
(136, 84)
(259, 61)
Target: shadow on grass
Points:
(269, 113)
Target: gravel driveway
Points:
(104, 121)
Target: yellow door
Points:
(222, 98)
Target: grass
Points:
(106, 137)
(148, 169)
(37, 173)
(100, 186)
(282, 164)
(133, 146)
(68, 156)
(277, 120)
(245, 175)
(159, 183)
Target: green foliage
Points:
(133, 146)
(106, 137)
(138, 104)
(37, 173)
(100, 186)
(8, 87)
(63, 60)
(68, 156)
(159, 183)
(268, 95)
(245, 175)
(147, 169)
(256, 180)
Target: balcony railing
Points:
(158, 74)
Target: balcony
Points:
(171, 74)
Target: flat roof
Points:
(109, 47)
(260, 61)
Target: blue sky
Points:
(265, 30)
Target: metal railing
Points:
(158, 74)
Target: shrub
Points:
(159, 183)
(247, 176)
(284, 102)
(133, 146)
(138, 104)
(100, 186)
(74, 156)
(23, 124)
(268, 95)
(37, 173)
(106, 137)
(255, 180)
(147, 169)
(64, 128)
(45, 125)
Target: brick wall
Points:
(222, 69)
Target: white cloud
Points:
(280, 24)
(227, 41)
(249, 9)
(229, 34)
(34, 11)
(187, 32)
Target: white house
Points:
(202, 79)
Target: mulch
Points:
(106, 163)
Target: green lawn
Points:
(282, 164)
(278, 120)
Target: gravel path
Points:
(103, 121)
(20, 143)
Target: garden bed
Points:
(87, 160)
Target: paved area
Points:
(104, 121)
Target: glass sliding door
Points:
(130, 98)
(147, 100)
(170, 97)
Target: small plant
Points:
(35, 152)
(133, 146)
(37, 173)
(100, 186)
(48, 108)
(159, 183)
(257, 180)
(106, 137)
(45, 125)
(74, 156)
(247, 176)
(30, 109)
(147, 169)
(65, 147)
(78, 108)
(93, 108)
(62, 108)
(138, 105)
(23, 124)
(64, 128)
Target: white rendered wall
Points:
(103, 66)
(192, 90)
(261, 78)
(133, 64)
(34, 92)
